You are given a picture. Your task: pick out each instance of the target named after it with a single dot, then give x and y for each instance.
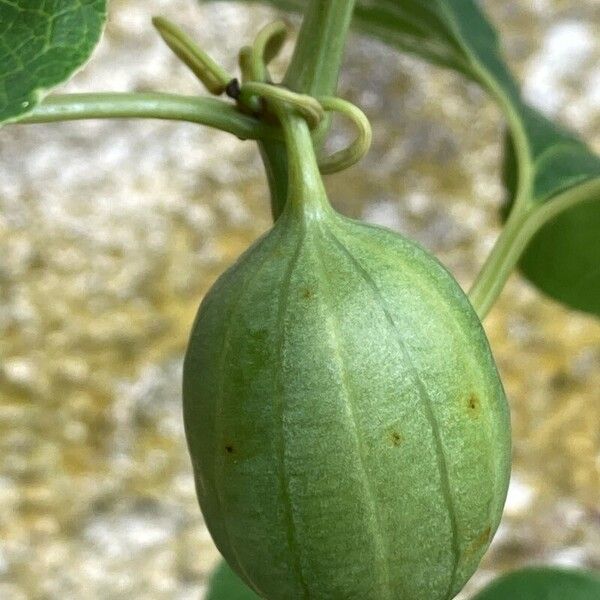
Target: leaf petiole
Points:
(155, 105)
(518, 231)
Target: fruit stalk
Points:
(314, 70)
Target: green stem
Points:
(315, 65)
(525, 217)
(518, 231)
(274, 158)
(522, 149)
(314, 70)
(520, 139)
(205, 111)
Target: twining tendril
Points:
(256, 91)
(307, 106)
(313, 110)
(266, 47)
(342, 159)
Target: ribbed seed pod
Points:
(348, 430)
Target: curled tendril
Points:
(246, 63)
(342, 159)
(314, 111)
(307, 106)
(266, 47)
(256, 90)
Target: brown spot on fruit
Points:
(307, 294)
(473, 404)
(395, 438)
(229, 449)
(479, 542)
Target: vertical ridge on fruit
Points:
(423, 395)
(381, 545)
(280, 403)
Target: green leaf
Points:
(224, 584)
(562, 258)
(561, 160)
(42, 43)
(543, 583)
(542, 161)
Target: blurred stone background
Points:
(110, 232)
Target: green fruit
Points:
(348, 429)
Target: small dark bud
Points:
(233, 89)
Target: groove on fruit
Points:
(219, 433)
(425, 400)
(279, 410)
(375, 524)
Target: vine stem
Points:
(205, 111)
(515, 235)
(315, 65)
(521, 145)
(519, 229)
